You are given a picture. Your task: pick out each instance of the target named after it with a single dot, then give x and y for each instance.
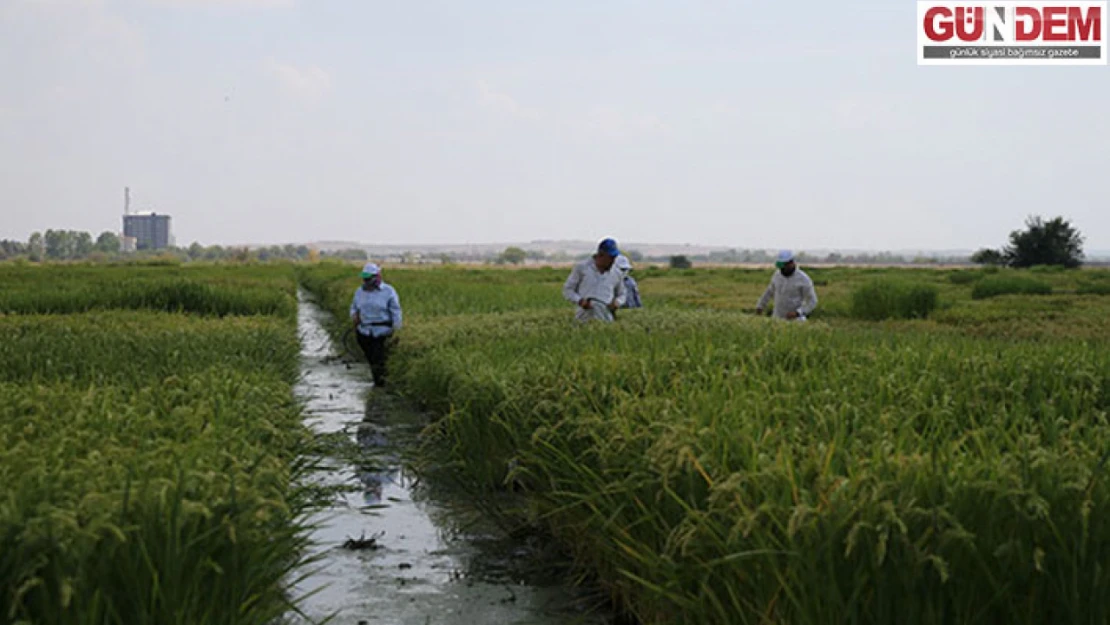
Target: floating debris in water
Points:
(363, 542)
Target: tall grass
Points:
(149, 458)
(893, 299)
(205, 290)
(965, 276)
(1009, 284)
(1094, 288)
(137, 348)
(166, 503)
(714, 468)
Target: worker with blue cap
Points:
(594, 286)
(376, 313)
(792, 290)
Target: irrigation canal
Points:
(393, 551)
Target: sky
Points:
(803, 124)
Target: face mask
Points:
(788, 271)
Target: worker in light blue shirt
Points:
(631, 289)
(376, 313)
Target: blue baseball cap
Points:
(609, 247)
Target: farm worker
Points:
(376, 313)
(791, 289)
(632, 290)
(594, 286)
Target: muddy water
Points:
(390, 551)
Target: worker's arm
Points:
(570, 287)
(357, 318)
(809, 298)
(395, 311)
(766, 297)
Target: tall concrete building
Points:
(151, 231)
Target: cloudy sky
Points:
(754, 124)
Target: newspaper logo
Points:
(1011, 33)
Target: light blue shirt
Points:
(379, 309)
(633, 291)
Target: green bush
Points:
(1047, 268)
(1094, 288)
(965, 276)
(993, 286)
(893, 299)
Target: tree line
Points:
(61, 245)
(1052, 242)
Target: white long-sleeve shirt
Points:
(586, 282)
(795, 293)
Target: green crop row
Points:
(150, 459)
(165, 504)
(710, 467)
(139, 348)
(205, 290)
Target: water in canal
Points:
(393, 551)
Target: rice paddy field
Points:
(149, 443)
(931, 447)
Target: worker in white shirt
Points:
(595, 286)
(792, 290)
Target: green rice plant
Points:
(1047, 269)
(965, 276)
(141, 347)
(1009, 284)
(168, 503)
(205, 290)
(1094, 288)
(886, 298)
(150, 459)
(713, 468)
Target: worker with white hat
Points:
(792, 290)
(376, 313)
(632, 290)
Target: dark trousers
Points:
(376, 350)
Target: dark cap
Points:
(609, 247)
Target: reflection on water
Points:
(425, 557)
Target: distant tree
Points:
(988, 256)
(1053, 242)
(214, 252)
(196, 251)
(12, 249)
(36, 249)
(513, 255)
(680, 262)
(350, 254)
(82, 245)
(56, 242)
(107, 242)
